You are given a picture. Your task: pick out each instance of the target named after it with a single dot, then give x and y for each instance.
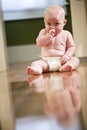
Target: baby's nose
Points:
(52, 27)
(53, 30)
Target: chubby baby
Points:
(57, 45)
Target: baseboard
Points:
(23, 53)
(83, 59)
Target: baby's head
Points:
(54, 18)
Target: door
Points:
(79, 26)
(3, 48)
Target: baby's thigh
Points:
(42, 63)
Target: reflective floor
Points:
(51, 101)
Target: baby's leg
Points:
(37, 67)
(70, 65)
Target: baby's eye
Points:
(49, 24)
(57, 24)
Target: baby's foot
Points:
(33, 70)
(65, 68)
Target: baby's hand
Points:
(52, 32)
(64, 59)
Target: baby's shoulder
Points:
(43, 30)
(66, 32)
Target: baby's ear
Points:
(65, 21)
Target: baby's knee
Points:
(37, 62)
(76, 59)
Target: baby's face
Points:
(55, 22)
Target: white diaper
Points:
(53, 62)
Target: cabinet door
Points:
(79, 25)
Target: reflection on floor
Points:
(47, 96)
(45, 102)
(26, 102)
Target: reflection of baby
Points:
(57, 45)
(60, 104)
(62, 94)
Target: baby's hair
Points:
(52, 9)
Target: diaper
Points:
(53, 62)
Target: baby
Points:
(57, 45)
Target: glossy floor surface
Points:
(51, 101)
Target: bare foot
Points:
(33, 70)
(65, 68)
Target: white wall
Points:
(23, 53)
(23, 9)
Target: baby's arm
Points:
(43, 38)
(70, 48)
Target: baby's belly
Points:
(52, 53)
